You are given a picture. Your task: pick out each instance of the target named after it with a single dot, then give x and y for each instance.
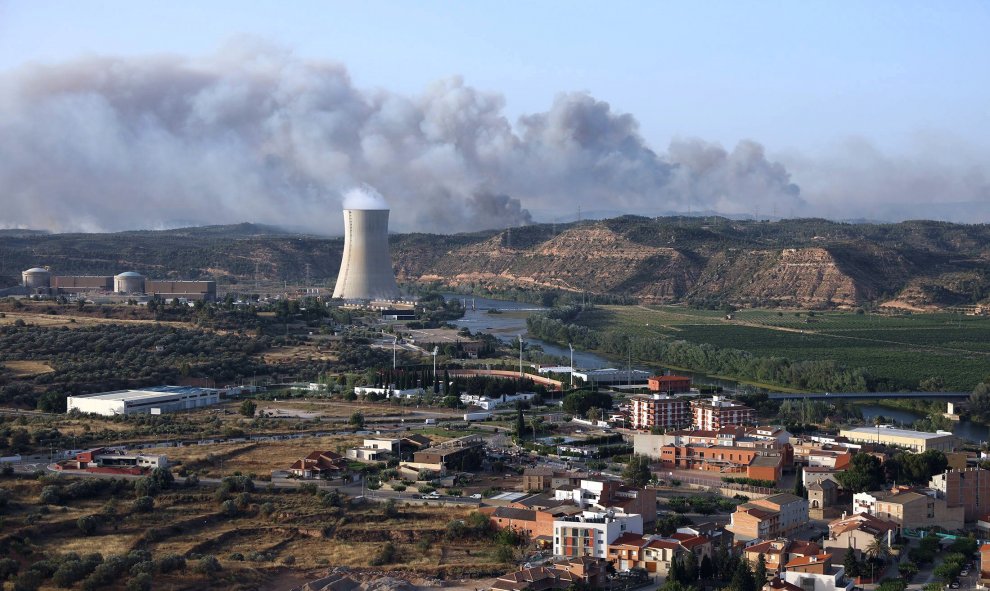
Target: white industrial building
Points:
(157, 400)
(611, 375)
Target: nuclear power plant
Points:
(366, 266)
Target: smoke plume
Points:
(364, 198)
(252, 133)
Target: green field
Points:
(898, 351)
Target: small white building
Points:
(487, 403)
(389, 392)
(800, 572)
(157, 400)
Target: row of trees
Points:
(810, 375)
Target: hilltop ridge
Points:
(809, 263)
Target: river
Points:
(968, 430)
(511, 322)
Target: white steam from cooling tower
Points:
(366, 265)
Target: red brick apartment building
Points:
(720, 412)
(968, 488)
(669, 384)
(752, 462)
(659, 411)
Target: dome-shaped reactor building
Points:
(129, 282)
(36, 278)
(366, 265)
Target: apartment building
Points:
(770, 517)
(609, 494)
(720, 412)
(857, 532)
(659, 411)
(968, 488)
(590, 533)
(776, 553)
(916, 510)
(763, 463)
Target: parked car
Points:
(476, 496)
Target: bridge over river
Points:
(867, 395)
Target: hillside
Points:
(803, 263)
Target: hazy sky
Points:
(871, 109)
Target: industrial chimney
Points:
(366, 267)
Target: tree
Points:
(877, 550)
(690, 568)
(760, 574)
(742, 579)
(163, 478)
(707, 570)
(851, 564)
(864, 474)
(637, 471)
(799, 490)
(504, 553)
(357, 420)
(248, 408)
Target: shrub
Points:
(385, 556)
(208, 565)
(144, 504)
(88, 524)
(228, 508)
(8, 568)
(171, 562)
(236, 556)
(141, 582)
(51, 495)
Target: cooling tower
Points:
(366, 267)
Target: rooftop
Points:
(145, 393)
(895, 432)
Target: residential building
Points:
(102, 457)
(915, 510)
(857, 532)
(590, 533)
(587, 573)
(823, 496)
(916, 441)
(817, 573)
(968, 488)
(610, 494)
(776, 553)
(654, 553)
(985, 565)
(542, 478)
(456, 454)
(768, 518)
(720, 412)
(669, 384)
(777, 584)
(319, 464)
(661, 412)
(762, 463)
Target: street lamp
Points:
(520, 355)
(572, 364)
(435, 351)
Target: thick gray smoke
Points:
(254, 134)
